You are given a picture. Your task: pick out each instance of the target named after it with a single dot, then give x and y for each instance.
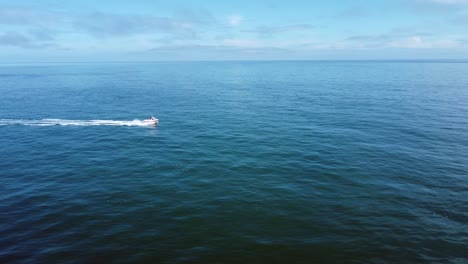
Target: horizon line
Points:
(279, 60)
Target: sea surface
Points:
(251, 162)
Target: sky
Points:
(186, 30)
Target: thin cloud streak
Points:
(274, 30)
(16, 39)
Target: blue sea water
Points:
(252, 162)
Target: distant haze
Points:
(143, 30)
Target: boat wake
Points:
(65, 122)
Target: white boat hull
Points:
(151, 121)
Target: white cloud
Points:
(234, 20)
(272, 30)
(412, 42)
(241, 43)
(417, 42)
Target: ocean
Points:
(251, 162)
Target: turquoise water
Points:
(251, 162)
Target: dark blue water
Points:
(262, 162)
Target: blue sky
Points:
(144, 30)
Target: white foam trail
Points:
(65, 122)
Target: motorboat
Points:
(151, 121)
